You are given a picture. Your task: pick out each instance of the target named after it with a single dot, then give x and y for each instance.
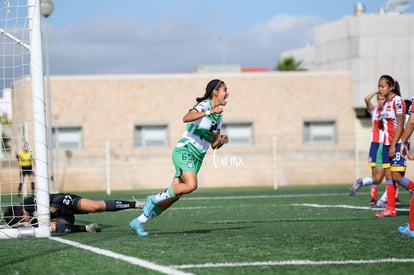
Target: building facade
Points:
(367, 45)
(285, 129)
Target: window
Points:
(150, 136)
(319, 132)
(67, 138)
(239, 133)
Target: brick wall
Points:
(277, 104)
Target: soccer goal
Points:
(23, 120)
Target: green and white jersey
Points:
(199, 134)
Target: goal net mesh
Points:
(22, 111)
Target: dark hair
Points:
(388, 78)
(396, 89)
(13, 215)
(214, 84)
(407, 106)
(393, 83)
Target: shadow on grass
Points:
(199, 231)
(402, 213)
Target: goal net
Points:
(23, 123)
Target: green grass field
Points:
(292, 230)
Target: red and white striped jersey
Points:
(411, 110)
(393, 108)
(377, 133)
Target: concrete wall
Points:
(368, 45)
(277, 104)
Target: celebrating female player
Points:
(204, 122)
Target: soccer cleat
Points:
(381, 204)
(355, 187)
(138, 204)
(386, 213)
(136, 226)
(403, 227)
(93, 227)
(373, 202)
(405, 230)
(149, 206)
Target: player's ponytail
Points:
(396, 89)
(211, 86)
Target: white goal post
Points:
(21, 75)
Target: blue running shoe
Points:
(404, 227)
(355, 187)
(138, 227)
(150, 203)
(406, 231)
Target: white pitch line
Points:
(131, 260)
(294, 262)
(343, 206)
(242, 197)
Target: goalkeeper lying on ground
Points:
(63, 207)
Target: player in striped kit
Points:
(375, 151)
(393, 116)
(408, 229)
(382, 202)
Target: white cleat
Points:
(138, 204)
(93, 227)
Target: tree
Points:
(289, 64)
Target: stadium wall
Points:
(108, 107)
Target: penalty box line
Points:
(294, 262)
(344, 206)
(129, 259)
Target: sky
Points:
(174, 36)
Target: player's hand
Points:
(224, 139)
(391, 152)
(405, 152)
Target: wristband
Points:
(208, 113)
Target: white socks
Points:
(367, 181)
